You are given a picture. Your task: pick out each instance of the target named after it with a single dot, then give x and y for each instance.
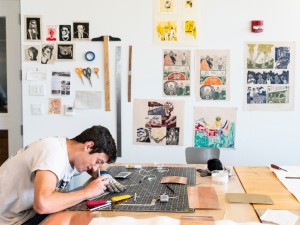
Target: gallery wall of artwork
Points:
(199, 76)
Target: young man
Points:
(32, 181)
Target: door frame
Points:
(11, 121)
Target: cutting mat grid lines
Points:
(150, 189)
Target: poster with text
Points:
(176, 22)
(269, 76)
(212, 75)
(176, 72)
(158, 122)
(214, 127)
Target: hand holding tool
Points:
(113, 185)
(79, 72)
(87, 73)
(277, 167)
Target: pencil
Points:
(99, 172)
(170, 189)
(292, 177)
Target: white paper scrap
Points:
(88, 100)
(281, 217)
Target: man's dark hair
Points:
(214, 164)
(103, 141)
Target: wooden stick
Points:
(129, 73)
(106, 74)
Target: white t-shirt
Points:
(17, 176)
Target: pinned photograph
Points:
(32, 53)
(51, 33)
(65, 33)
(65, 51)
(48, 54)
(32, 28)
(81, 30)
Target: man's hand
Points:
(113, 185)
(97, 186)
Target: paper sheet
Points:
(88, 100)
(281, 217)
(160, 220)
(291, 184)
(36, 74)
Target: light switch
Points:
(36, 89)
(37, 109)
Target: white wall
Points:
(261, 137)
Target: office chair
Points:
(198, 155)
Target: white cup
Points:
(219, 176)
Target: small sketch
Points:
(256, 95)
(143, 135)
(80, 30)
(65, 51)
(65, 33)
(54, 106)
(190, 29)
(278, 95)
(188, 4)
(32, 28)
(32, 53)
(166, 6)
(48, 54)
(166, 31)
(51, 32)
(207, 92)
(170, 88)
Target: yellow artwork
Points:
(166, 31)
(190, 28)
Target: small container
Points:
(219, 176)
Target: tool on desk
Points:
(120, 198)
(170, 189)
(79, 72)
(87, 73)
(277, 167)
(135, 197)
(292, 177)
(95, 203)
(143, 178)
(106, 39)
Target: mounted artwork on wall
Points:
(212, 75)
(176, 69)
(269, 76)
(214, 127)
(33, 30)
(32, 53)
(158, 122)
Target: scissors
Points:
(79, 72)
(87, 73)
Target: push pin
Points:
(96, 71)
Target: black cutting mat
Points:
(150, 189)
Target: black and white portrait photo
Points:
(65, 33)
(48, 54)
(32, 28)
(80, 30)
(65, 51)
(32, 53)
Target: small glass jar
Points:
(219, 176)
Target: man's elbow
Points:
(41, 207)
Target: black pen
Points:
(170, 189)
(143, 178)
(292, 177)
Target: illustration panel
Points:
(212, 75)
(214, 127)
(166, 31)
(32, 53)
(33, 30)
(158, 122)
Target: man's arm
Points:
(48, 200)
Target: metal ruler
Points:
(118, 96)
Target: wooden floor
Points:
(3, 146)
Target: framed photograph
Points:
(81, 30)
(65, 51)
(32, 29)
(32, 53)
(65, 33)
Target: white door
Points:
(10, 64)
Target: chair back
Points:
(198, 155)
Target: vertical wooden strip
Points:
(106, 74)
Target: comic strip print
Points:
(176, 69)
(160, 126)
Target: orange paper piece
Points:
(197, 220)
(174, 180)
(203, 198)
